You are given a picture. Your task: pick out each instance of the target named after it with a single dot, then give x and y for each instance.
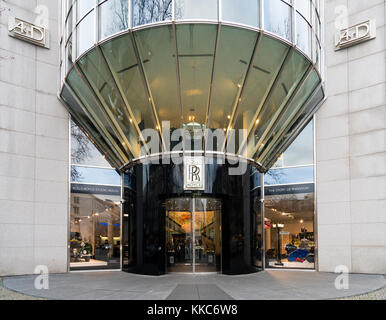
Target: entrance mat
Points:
(198, 292)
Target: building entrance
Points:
(193, 235)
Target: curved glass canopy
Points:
(195, 75)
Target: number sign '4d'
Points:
(29, 32)
(356, 34)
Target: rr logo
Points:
(194, 173)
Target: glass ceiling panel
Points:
(156, 48)
(103, 84)
(231, 67)
(196, 46)
(97, 116)
(290, 77)
(122, 60)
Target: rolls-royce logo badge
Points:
(194, 173)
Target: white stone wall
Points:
(34, 148)
(351, 147)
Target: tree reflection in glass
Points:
(113, 17)
(278, 19)
(148, 11)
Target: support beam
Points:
(178, 75)
(208, 110)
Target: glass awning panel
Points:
(196, 76)
(157, 52)
(122, 60)
(98, 75)
(196, 48)
(230, 71)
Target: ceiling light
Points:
(257, 121)
(229, 117)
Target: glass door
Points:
(207, 244)
(193, 235)
(179, 237)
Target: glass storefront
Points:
(289, 231)
(95, 231)
(193, 238)
(95, 212)
(128, 70)
(290, 208)
(192, 225)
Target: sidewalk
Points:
(267, 285)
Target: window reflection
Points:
(304, 7)
(84, 6)
(245, 11)
(95, 232)
(289, 231)
(289, 175)
(301, 151)
(97, 175)
(69, 23)
(113, 17)
(85, 33)
(303, 30)
(148, 11)
(196, 9)
(277, 15)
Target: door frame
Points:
(193, 197)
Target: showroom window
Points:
(289, 229)
(95, 215)
(289, 207)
